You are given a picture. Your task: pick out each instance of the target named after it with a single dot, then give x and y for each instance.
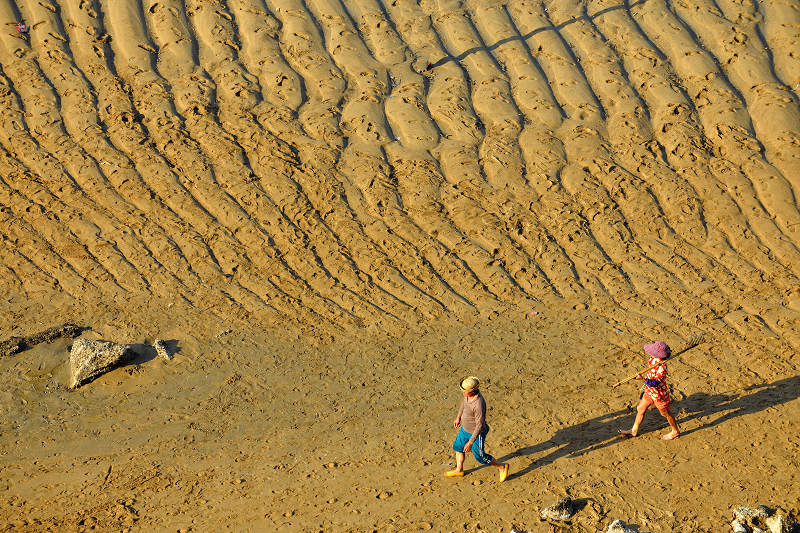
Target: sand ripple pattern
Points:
(368, 163)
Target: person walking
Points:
(656, 392)
(473, 429)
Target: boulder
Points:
(161, 349)
(90, 358)
(562, 510)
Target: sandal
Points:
(504, 473)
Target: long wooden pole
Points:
(694, 341)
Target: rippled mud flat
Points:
(339, 172)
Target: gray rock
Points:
(90, 358)
(17, 344)
(562, 510)
(618, 526)
(744, 514)
(161, 349)
(760, 519)
(778, 524)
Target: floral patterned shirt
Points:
(655, 381)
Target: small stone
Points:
(562, 510)
(618, 526)
(383, 495)
(89, 359)
(477, 482)
(161, 349)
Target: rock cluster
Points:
(760, 519)
(562, 510)
(90, 358)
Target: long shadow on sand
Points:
(601, 431)
(701, 404)
(575, 440)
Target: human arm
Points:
(457, 421)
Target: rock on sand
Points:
(618, 526)
(759, 519)
(161, 349)
(91, 358)
(562, 510)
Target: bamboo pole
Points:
(693, 341)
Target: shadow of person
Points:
(601, 431)
(574, 441)
(701, 404)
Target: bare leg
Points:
(459, 471)
(672, 423)
(459, 462)
(501, 466)
(641, 409)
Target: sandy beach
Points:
(334, 210)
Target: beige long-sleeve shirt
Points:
(473, 415)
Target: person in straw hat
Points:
(472, 435)
(656, 392)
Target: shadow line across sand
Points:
(601, 431)
(531, 33)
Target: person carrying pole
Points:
(656, 392)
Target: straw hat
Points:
(470, 384)
(659, 350)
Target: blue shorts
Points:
(477, 446)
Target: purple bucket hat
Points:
(659, 350)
